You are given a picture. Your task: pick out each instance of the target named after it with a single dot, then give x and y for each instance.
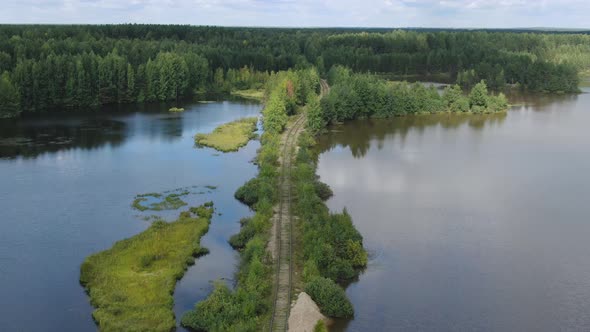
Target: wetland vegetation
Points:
(229, 136)
(131, 284)
(255, 94)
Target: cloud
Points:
(367, 13)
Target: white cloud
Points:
(382, 13)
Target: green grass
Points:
(176, 109)
(255, 94)
(230, 136)
(131, 284)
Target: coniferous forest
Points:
(45, 68)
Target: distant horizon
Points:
(388, 14)
(531, 28)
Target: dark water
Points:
(474, 223)
(66, 186)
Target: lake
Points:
(66, 187)
(473, 223)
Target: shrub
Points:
(248, 193)
(323, 190)
(330, 297)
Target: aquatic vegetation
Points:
(131, 284)
(172, 201)
(230, 136)
(176, 109)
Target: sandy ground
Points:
(304, 314)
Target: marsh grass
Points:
(131, 284)
(230, 136)
(254, 94)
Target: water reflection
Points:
(31, 138)
(66, 186)
(379, 130)
(472, 222)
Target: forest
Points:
(55, 68)
(355, 96)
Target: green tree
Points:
(478, 97)
(9, 98)
(455, 100)
(315, 120)
(130, 83)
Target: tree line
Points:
(355, 96)
(54, 67)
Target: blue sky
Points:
(315, 13)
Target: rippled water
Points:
(474, 223)
(66, 187)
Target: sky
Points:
(306, 13)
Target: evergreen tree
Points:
(9, 98)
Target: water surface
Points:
(66, 187)
(473, 223)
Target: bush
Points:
(248, 193)
(323, 190)
(247, 232)
(330, 298)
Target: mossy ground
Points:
(131, 284)
(230, 136)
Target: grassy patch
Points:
(230, 136)
(255, 94)
(176, 109)
(131, 284)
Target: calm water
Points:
(473, 223)
(66, 186)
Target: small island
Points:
(131, 284)
(176, 109)
(230, 136)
